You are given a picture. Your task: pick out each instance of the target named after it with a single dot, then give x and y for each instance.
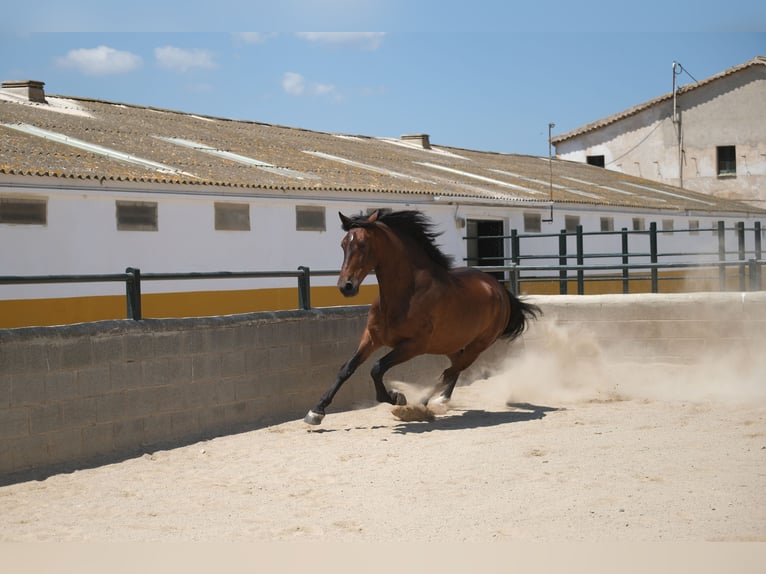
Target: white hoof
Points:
(439, 405)
(313, 418)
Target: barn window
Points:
(638, 224)
(597, 160)
(137, 216)
(607, 224)
(310, 218)
(694, 227)
(532, 222)
(23, 211)
(667, 226)
(726, 160)
(232, 216)
(571, 222)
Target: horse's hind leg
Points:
(446, 386)
(460, 362)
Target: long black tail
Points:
(521, 314)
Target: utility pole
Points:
(550, 168)
(677, 69)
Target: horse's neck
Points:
(399, 271)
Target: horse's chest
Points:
(391, 327)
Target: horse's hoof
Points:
(439, 405)
(440, 400)
(313, 418)
(399, 399)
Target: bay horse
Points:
(424, 306)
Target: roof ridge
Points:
(610, 119)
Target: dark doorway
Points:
(486, 244)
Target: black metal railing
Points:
(748, 262)
(636, 265)
(133, 278)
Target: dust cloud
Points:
(567, 365)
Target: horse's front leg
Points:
(400, 354)
(363, 351)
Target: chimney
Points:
(30, 90)
(423, 139)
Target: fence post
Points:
(514, 278)
(721, 256)
(625, 273)
(133, 293)
(741, 253)
(653, 256)
(580, 262)
(563, 261)
(515, 247)
(754, 269)
(304, 288)
(758, 256)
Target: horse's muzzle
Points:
(348, 287)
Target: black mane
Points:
(412, 224)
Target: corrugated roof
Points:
(757, 61)
(251, 158)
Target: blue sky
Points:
(425, 69)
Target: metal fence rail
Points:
(513, 268)
(133, 279)
(748, 263)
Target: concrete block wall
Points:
(80, 394)
(84, 394)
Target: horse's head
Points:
(358, 252)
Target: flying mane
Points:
(412, 224)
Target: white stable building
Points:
(708, 136)
(94, 187)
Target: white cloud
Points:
(296, 85)
(363, 40)
(182, 60)
(100, 61)
(323, 89)
(253, 37)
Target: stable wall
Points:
(85, 394)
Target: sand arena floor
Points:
(546, 449)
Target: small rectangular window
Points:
(23, 211)
(726, 160)
(232, 216)
(667, 226)
(532, 222)
(607, 224)
(137, 216)
(310, 218)
(639, 224)
(694, 227)
(571, 222)
(597, 160)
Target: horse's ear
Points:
(373, 216)
(345, 222)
